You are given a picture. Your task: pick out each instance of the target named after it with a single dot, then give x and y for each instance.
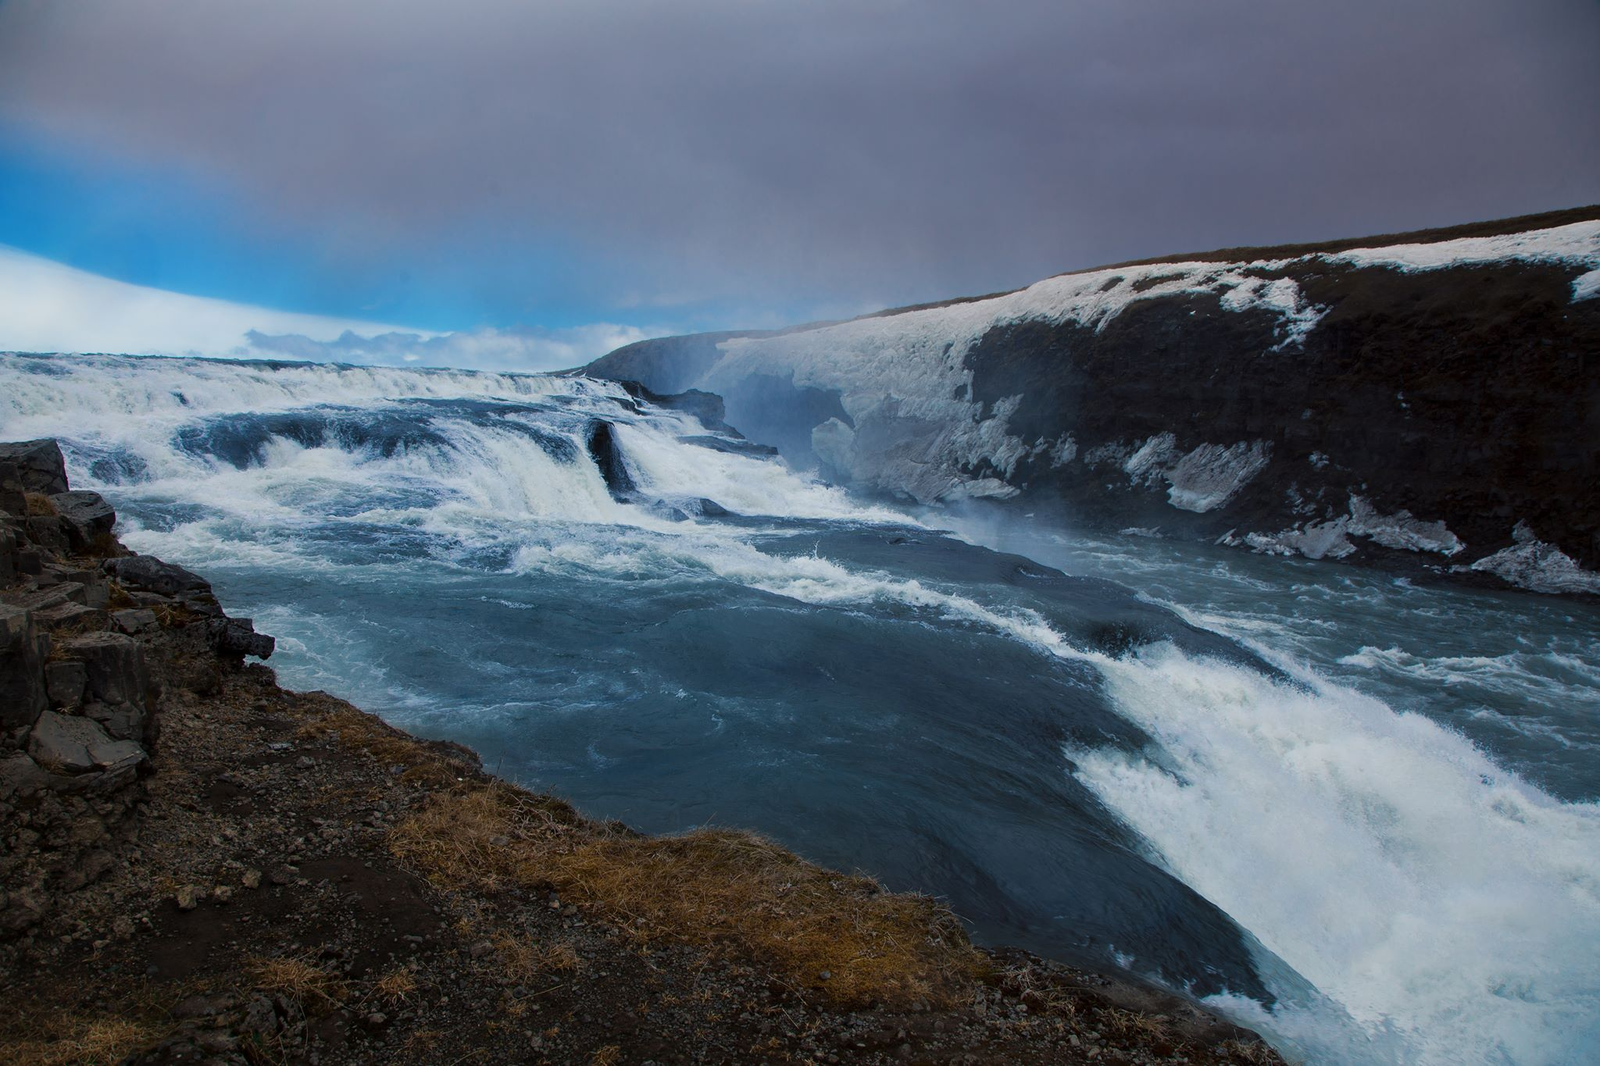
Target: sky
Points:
(505, 183)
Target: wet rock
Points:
(39, 465)
(86, 515)
(23, 649)
(237, 637)
(607, 455)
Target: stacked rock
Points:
(77, 703)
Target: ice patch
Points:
(1149, 462)
(1331, 539)
(1532, 564)
(1064, 451)
(1208, 476)
(1586, 286)
(1400, 530)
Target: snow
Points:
(903, 381)
(1578, 243)
(1586, 286)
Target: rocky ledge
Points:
(197, 865)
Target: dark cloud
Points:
(844, 153)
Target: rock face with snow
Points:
(1410, 397)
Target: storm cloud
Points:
(823, 154)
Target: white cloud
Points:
(49, 307)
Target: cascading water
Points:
(1330, 832)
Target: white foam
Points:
(1449, 909)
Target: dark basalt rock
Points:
(39, 464)
(234, 638)
(153, 575)
(739, 446)
(705, 406)
(23, 650)
(87, 515)
(601, 442)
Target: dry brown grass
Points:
(396, 987)
(387, 746)
(1252, 1052)
(67, 1039)
(40, 505)
(713, 888)
(1127, 1023)
(296, 977)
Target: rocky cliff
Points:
(1425, 399)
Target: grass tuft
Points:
(842, 937)
(296, 977)
(74, 1040)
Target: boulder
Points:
(135, 620)
(235, 638)
(66, 683)
(114, 665)
(95, 590)
(153, 575)
(87, 517)
(49, 532)
(79, 745)
(13, 495)
(71, 614)
(23, 649)
(19, 773)
(39, 464)
(121, 721)
(607, 455)
(10, 544)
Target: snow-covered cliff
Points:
(1426, 394)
